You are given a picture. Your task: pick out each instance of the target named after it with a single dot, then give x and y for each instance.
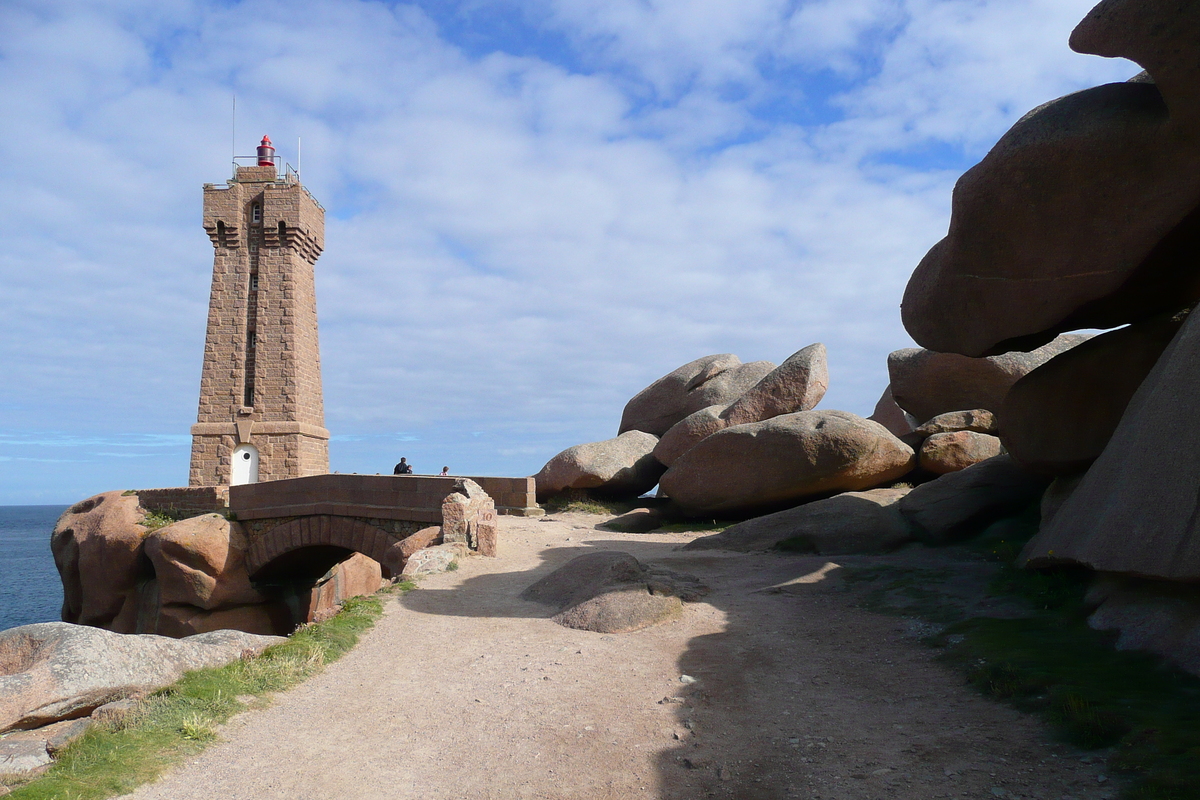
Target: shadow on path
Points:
(803, 694)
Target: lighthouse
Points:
(261, 414)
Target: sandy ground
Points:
(463, 690)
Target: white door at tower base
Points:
(245, 465)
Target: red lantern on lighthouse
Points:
(266, 153)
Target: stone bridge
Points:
(299, 528)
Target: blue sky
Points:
(534, 208)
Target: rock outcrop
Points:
(797, 384)
(1154, 616)
(469, 517)
(437, 558)
(620, 467)
(1041, 236)
(200, 562)
(1137, 511)
(891, 416)
(55, 670)
(639, 520)
(957, 506)
(612, 592)
(851, 522)
(927, 383)
(942, 453)
(97, 547)
(766, 465)
(979, 420)
(181, 621)
(712, 380)
(1059, 418)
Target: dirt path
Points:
(464, 691)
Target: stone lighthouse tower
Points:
(261, 414)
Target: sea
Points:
(30, 590)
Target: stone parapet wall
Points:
(415, 497)
(517, 496)
(185, 501)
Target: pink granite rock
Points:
(979, 420)
(891, 416)
(55, 671)
(797, 384)
(469, 517)
(200, 562)
(763, 466)
(851, 522)
(925, 383)
(712, 380)
(1136, 511)
(97, 547)
(1084, 215)
(1058, 418)
(949, 452)
(620, 467)
(685, 434)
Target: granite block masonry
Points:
(261, 415)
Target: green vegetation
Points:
(153, 520)
(714, 526)
(579, 501)
(1045, 659)
(180, 720)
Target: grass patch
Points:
(180, 720)
(579, 501)
(1046, 660)
(153, 520)
(693, 527)
(914, 592)
(1092, 694)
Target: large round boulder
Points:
(97, 547)
(55, 671)
(891, 416)
(925, 383)
(712, 380)
(268, 619)
(620, 467)
(1058, 418)
(851, 522)
(954, 450)
(200, 562)
(960, 504)
(685, 434)
(608, 591)
(763, 466)
(1136, 510)
(1085, 214)
(797, 384)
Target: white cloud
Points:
(517, 242)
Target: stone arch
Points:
(319, 542)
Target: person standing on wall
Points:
(403, 468)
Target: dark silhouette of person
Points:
(403, 468)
